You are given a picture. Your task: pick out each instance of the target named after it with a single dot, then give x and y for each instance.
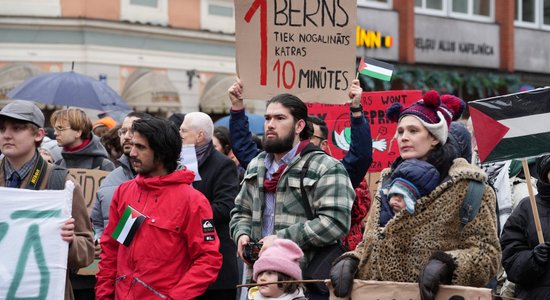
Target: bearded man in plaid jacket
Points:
(270, 204)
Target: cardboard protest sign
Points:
(89, 180)
(337, 117)
(90, 270)
(34, 257)
(306, 48)
(512, 126)
(386, 290)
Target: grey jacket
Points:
(84, 158)
(100, 212)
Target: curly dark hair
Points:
(163, 137)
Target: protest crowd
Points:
(210, 209)
(184, 209)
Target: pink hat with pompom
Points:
(435, 112)
(282, 256)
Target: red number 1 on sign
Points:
(262, 4)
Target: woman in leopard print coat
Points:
(429, 246)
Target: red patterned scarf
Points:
(270, 185)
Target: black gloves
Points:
(541, 254)
(342, 274)
(438, 270)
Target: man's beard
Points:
(279, 145)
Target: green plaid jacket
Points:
(330, 196)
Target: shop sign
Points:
(372, 39)
(456, 42)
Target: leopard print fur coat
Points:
(399, 251)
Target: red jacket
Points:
(174, 253)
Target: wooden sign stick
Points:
(532, 199)
(282, 282)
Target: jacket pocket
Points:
(293, 203)
(161, 238)
(248, 176)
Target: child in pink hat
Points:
(279, 262)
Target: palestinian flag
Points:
(512, 126)
(375, 68)
(128, 225)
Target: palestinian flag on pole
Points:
(512, 126)
(128, 225)
(375, 68)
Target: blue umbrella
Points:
(69, 89)
(255, 123)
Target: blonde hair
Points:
(77, 119)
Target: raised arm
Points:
(244, 147)
(359, 157)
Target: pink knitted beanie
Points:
(282, 256)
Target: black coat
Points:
(220, 185)
(518, 239)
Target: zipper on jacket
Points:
(151, 289)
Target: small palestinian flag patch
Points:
(128, 225)
(207, 225)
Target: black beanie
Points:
(543, 167)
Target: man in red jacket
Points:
(160, 242)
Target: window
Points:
(375, 3)
(145, 11)
(481, 10)
(533, 13)
(473, 9)
(148, 3)
(432, 7)
(218, 15)
(42, 8)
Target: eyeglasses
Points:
(123, 131)
(61, 129)
(319, 137)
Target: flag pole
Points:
(532, 199)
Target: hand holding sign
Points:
(354, 94)
(236, 95)
(67, 231)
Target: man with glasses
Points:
(125, 172)
(81, 148)
(320, 134)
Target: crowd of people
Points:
(212, 207)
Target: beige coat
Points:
(399, 251)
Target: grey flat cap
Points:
(24, 111)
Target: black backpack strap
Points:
(57, 178)
(472, 202)
(309, 211)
